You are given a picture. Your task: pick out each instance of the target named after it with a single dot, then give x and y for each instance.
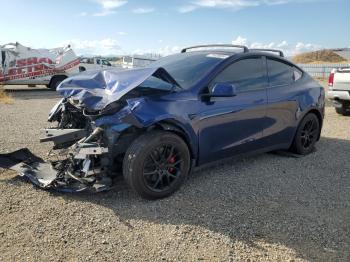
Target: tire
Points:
(341, 110)
(156, 164)
(55, 81)
(307, 135)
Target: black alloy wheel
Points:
(156, 164)
(162, 167)
(307, 135)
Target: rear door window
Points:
(246, 74)
(281, 73)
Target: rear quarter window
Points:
(281, 74)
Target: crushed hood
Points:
(97, 89)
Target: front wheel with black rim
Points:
(307, 135)
(156, 164)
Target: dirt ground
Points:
(261, 208)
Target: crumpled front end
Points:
(90, 139)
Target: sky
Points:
(117, 27)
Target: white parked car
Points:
(339, 90)
(21, 65)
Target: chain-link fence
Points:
(320, 70)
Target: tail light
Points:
(331, 79)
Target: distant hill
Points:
(321, 56)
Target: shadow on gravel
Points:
(300, 203)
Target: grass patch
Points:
(4, 97)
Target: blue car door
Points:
(234, 125)
(283, 106)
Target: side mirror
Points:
(223, 90)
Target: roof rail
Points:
(269, 50)
(245, 49)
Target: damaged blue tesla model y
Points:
(154, 124)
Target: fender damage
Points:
(99, 116)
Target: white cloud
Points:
(282, 44)
(109, 6)
(121, 33)
(187, 8)
(110, 46)
(163, 51)
(239, 41)
(104, 13)
(261, 45)
(168, 50)
(143, 10)
(288, 49)
(232, 4)
(102, 47)
(301, 47)
(236, 4)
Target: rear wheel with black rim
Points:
(156, 164)
(307, 135)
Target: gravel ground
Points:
(262, 208)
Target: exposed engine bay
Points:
(98, 117)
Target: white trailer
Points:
(21, 65)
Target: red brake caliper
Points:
(171, 160)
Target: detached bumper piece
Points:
(30, 166)
(63, 137)
(83, 170)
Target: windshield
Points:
(188, 68)
(157, 83)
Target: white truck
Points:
(21, 65)
(92, 63)
(339, 90)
